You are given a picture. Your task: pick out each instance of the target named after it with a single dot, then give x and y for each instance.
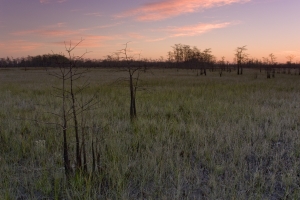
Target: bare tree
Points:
(222, 66)
(72, 106)
(240, 58)
(207, 59)
(63, 95)
(290, 58)
(272, 59)
(290, 62)
(133, 68)
(170, 56)
(271, 67)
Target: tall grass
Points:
(230, 137)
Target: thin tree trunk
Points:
(84, 149)
(78, 155)
(94, 158)
(65, 142)
(132, 99)
(66, 153)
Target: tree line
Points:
(181, 56)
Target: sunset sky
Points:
(36, 27)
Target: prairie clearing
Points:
(196, 137)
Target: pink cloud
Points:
(170, 8)
(62, 35)
(97, 40)
(106, 26)
(47, 32)
(56, 33)
(89, 41)
(136, 35)
(19, 46)
(195, 29)
(157, 39)
(191, 30)
(59, 30)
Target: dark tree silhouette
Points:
(133, 68)
(240, 58)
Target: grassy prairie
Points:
(196, 137)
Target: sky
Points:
(37, 27)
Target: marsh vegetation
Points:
(195, 137)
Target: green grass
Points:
(196, 137)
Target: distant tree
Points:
(240, 58)
(170, 56)
(222, 65)
(207, 59)
(269, 63)
(2, 62)
(290, 62)
(192, 58)
(290, 58)
(272, 59)
(178, 53)
(186, 53)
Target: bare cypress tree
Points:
(72, 108)
(240, 58)
(272, 64)
(72, 75)
(62, 93)
(133, 68)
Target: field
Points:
(195, 137)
